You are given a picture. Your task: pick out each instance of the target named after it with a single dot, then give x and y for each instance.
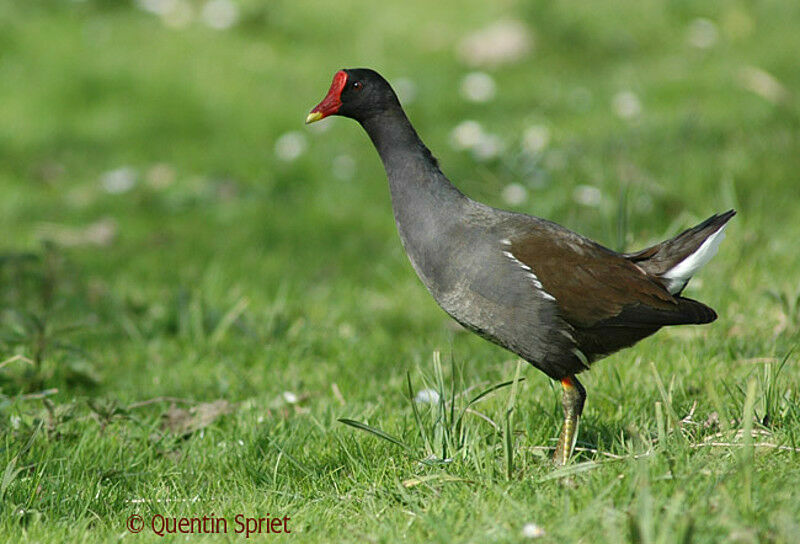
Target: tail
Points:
(677, 260)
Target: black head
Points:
(358, 93)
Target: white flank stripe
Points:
(536, 283)
(678, 275)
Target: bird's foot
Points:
(572, 401)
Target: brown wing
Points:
(596, 287)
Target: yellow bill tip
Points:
(313, 117)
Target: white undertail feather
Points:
(679, 275)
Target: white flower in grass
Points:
(179, 14)
(118, 181)
(290, 146)
(344, 167)
(532, 530)
(466, 135)
(469, 135)
(436, 460)
(220, 14)
(346, 331)
(502, 42)
(626, 104)
(587, 195)
(159, 7)
(535, 139)
(514, 194)
(478, 87)
(100, 233)
(290, 397)
(763, 84)
(160, 175)
(427, 396)
(702, 33)
(489, 147)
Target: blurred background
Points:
(177, 246)
(170, 226)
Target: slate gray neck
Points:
(412, 170)
(427, 207)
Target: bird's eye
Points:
(357, 85)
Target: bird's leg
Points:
(572, 401)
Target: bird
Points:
(556, 299)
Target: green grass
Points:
(227, 274)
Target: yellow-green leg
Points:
(572, 401)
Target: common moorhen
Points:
(558, 300)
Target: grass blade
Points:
(673, 421)
(508, 439)
(228, 319)
(9, 475)
(12, 470)
(747, 457)
(417, 417)
(377, 432)
(482, 395)
(290, 457)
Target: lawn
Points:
(196, 288)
